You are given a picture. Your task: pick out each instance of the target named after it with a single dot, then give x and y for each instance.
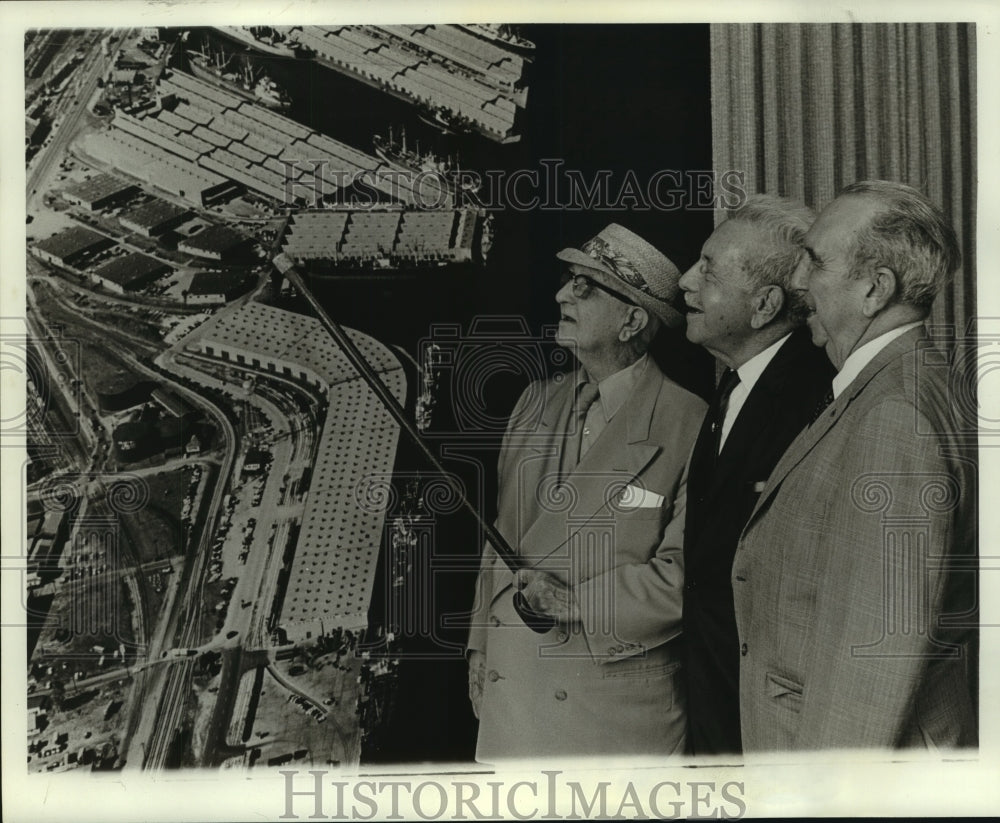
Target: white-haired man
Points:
(592, 477)
(853, 601)
(742, 309)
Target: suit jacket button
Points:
(744, 650)
(560, 694)
(612, 651)
(621, 648)
(562, 637)
(493, 675)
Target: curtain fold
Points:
(805, 109)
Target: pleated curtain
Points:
(805, 109)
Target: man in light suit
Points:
(854, 611)
(592, 478)
(741, 307)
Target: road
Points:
(73, 106)
(155, 729)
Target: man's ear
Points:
(766, 304)
(635, 321)
(882, 291)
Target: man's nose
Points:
(689, 279)
(565, 292)
(800, 277)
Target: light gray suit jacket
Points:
(611, 687)
(852, 604)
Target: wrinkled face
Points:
(589, 325)
(832, 290)
(718, 292)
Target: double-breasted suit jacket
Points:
(721, 492)
(854, 613)
(611, 684)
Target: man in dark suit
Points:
(742, 309)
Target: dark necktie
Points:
(822, 404)
(584, 400)
(730, 379)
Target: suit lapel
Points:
(810, 436)
(618, 456)
(607, 464)
(701, 475)
(759, 407)
(539, 455)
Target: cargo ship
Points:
(446, 121)
(269, 40)
(246, 81)
(501, 34)
(411, 161)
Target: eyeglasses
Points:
(583, 285)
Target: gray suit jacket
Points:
(856, 619)
(611, 687)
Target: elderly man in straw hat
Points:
(592, 480)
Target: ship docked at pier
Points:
(412, 162)
(238, 75)
(503, 35)
(267, 39)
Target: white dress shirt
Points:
(861, 357)
(749, 373)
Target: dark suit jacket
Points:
(722, 492)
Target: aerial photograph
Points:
(384, 408)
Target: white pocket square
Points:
(634, 497)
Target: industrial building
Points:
(130, 272)
(329, 583)
(154, 217)
(396, 237)
(71, 245)
(203, 144)
(99, 192)
(158, 167)
(438, 67)
(213, 243)
(210, 288)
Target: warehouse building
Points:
(99, 192)
(213, 289)
(71, 245)
(154, 218)
(400, 237)
(213, 243)
(158, 167)
(130, 272)
(331, 575)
